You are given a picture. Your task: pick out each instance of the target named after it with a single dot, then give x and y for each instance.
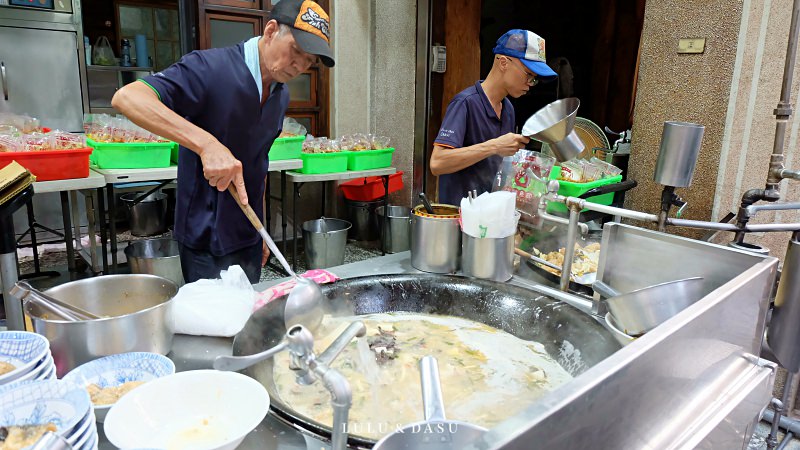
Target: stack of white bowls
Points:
(66, 405)
(29, 353)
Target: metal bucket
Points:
(325, 242)
(436, 239)
(159, 256)
(362, 217)
(149, 216)
(487, 258)
(397, 229)
(138, 318)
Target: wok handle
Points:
(525, 254)
(432, 401)
(604, 290)
(609, 188)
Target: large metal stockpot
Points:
(436, 239)
(138, 312)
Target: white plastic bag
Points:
(102, 53)
(214, 307)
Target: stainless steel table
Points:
(299, 179)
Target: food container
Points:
(148, 215)
(436, 239)
(371, 188)
(137, 312)
(369, 159)
(318, 163)
(487, 258)
(396, 228)
(50, 165)
(572, 189)
(131, 155)
(286, 148)
(159, 256)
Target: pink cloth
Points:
(279, 290)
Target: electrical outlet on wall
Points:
(438, 58)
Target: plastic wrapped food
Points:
(10, 144)
(36, 142)
(572, 171)
(9, 130)
(591, 172)
(328, 145)
(311, 146)
(360, 142)
(379, 142)
(608, 170)
(67, 141)
(292, 128)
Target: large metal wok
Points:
(504, 306)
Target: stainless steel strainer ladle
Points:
(304, 305)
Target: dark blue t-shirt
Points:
(214, 90)
(469, 120)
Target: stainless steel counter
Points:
(693, 382)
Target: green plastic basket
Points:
(174, 153)
(137, 155)
(286, 148)
(570, 189)
(370, 159)
(317, 163)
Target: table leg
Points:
(90, 218)
(267, 204)
(294, 224)
(65, 210)
(385, 213)
(103, 239)
(112, 225)
(324, 186)
(283, 209)
(32, 229)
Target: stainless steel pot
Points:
(156, 257)
(148, 216)
(138, 312)
(325, 241)
(396, 228)
(487, 258)
(436, 239)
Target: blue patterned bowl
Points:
(118, 369)
(40, 402)
(22, 349)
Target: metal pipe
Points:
(790, 174)
(584, 305)
(569, 250)
(785, 441)
(611, 210)
(752, 210)
(341, 400)
(582, 227)
(787, 423)
(355, 329)
(779, 407)
(755, 228)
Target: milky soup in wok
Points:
(487, 375)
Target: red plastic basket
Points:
(51, 165)
(370, 188)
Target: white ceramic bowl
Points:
(115, 370)
(63, 403)
(194, 410)
(24, 350)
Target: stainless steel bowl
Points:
(138, 317)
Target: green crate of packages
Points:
(318, 163)
(134, 155)
(572, 189)
(369, 159)
(286, 148)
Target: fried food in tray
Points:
(584, 266)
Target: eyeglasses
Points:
(530, 79)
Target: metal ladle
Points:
(25, 292)
(304, 305)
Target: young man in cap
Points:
(225, 107)
(478, 128)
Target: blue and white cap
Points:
(528, 47)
